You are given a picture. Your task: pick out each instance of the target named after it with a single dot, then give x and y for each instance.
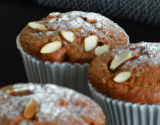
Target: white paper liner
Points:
(126, 113)
(74, 76)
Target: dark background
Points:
(15, 14)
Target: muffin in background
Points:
(125, 82)
(37, 104)
(60, 47)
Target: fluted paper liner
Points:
(74, 76)
(126, 113)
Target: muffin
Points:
(37, 104)
(67, 42)
(126, 80)
(70, 37)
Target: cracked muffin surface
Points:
(74, 37)
(36, 104)
(130, 73)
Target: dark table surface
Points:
(15, 14)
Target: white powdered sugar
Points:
(55, 104)
(78, 19)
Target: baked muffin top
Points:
(35, 104)
(75, 37)
(129, 72)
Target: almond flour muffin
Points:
(74, 37)
(60, 47)
(36, 104)
(125, 82)
(130, 73)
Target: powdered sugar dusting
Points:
(82, 25)
(55, 105)
(76, 19)
(150, 52)
(149, 56)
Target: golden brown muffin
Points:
(71, 37)
(36, 104)
(129, 72)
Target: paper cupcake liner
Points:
(74, 76)
(126, 113)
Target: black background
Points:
(15, 14)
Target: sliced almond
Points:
(30, 109)
(121, 58)
(38, 26)
(20, 92)
(90, 42)
(51, 47)
(136, 55)
(54, 15)
(122, 76)
(92, 20)
(68, 35)
(101, 49)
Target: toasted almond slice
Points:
(101, 49)
(92, 20)
(38, 26)
(90, 42)
(68, 35)
(121, 58)
(135, 55)
(51, 47)
(20, 92)
(30, 109)
(122, 76)
(54, 15)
